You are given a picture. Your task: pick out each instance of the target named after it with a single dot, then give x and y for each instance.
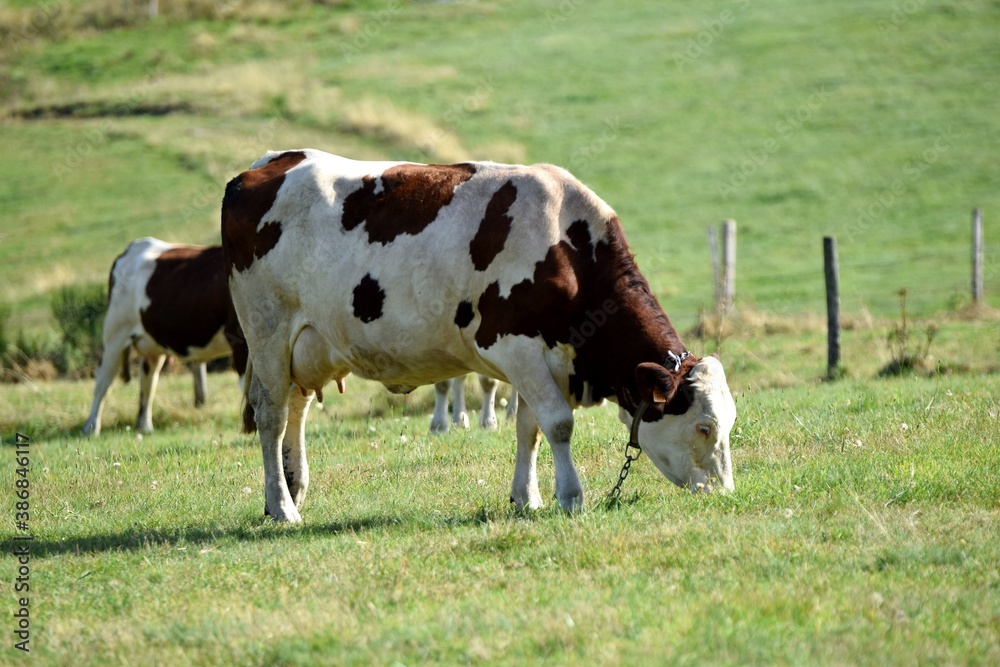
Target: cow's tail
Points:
(126, 364)
(249, 421)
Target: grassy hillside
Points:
(863, 526)
(860, 120)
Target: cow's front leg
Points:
(149, 375)
(200, 373)
(524, 489)
(540, 394)
(270, 404)
(293, 447)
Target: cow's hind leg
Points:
(200, 373)
(269, 398)
(149, 375)
(293, 446)
(488, 415)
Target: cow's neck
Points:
(637, 331)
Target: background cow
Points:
(410, 274)
(459, 417)
(164, 299)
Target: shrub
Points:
(909, 356)
(79, 314)
(4, 335)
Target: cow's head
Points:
(687, 436)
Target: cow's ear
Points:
(656, 387)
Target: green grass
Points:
(862, 531)
(863, 528)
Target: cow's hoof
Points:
(530, 503)
(462, 421)
(285, 515)
(488, 424)
(572, 504)
(439, 427)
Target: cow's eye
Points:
(704, 429)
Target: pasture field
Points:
(865, 120)
(864, 527)
(863, 531)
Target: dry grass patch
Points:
(405, 131)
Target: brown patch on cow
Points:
(248, 198)
(590, 296)
(188, 298)
(410, 199)
(368, 299)
(494, 229)
(464, 314)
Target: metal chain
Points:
(629, 458)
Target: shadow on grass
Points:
(137, 538)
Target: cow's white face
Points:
(692, 449)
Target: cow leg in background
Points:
(459, 415)
(149, 375)
(269, 395)
(524, 489)
(200, 373)
(111, 362)
(512, 406)
(293, 446)
(439, 422)
(488, 415)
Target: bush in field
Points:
(908, 356)
(4, 334)
(79, 314)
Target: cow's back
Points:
(398, 256)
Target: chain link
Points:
(632, 453)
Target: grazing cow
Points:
(409, 274)
(459, 417)
(164, 299)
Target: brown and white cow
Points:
(440, 421)
(409, 274)
(164, 299)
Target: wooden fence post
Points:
(977, 257)
(728, 263)
(832, 271)
(713, 250)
